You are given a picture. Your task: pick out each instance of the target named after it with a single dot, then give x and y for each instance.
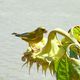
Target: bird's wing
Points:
(29, 35)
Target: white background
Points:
(26, 15)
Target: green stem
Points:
(64, 33)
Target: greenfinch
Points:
(33, 37)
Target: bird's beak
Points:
(45, 31)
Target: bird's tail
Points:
(16, 34)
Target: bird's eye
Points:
(44, 30)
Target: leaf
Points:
(74, 62)
(74, 69)
(75, 31)
(63, 69)
(68, 69)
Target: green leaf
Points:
(75, 31)
(74, 69)
(63, 69)
(74, 63)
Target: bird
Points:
(33, 37)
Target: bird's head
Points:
(41, 29)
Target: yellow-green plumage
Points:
(32, 37)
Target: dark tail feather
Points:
(16, 34)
